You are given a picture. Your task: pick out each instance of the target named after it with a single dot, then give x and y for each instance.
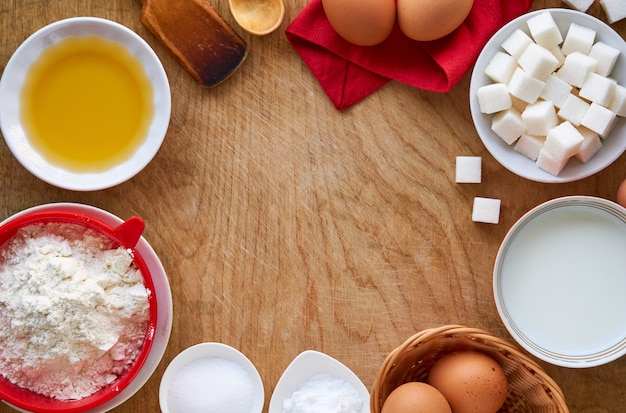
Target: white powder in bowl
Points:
(324, 393)
(73, 310)
(213, 385)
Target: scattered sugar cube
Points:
(615, 10)
(556, 90)
(576, 68)
(618, 103)
(606, 56)
(493, 98)
(544, 30)
(563, 141)
(524, 86)
(580, 5)
(468, 169)
(591, 144)
(574, 109)
(599, 119)
(539, 118)
(529, 146)
(508, 125)
(516, 43)
(538, 62)
(550, 163)
(486, 210)
(578, 39)
(598, 89)
(501, 67)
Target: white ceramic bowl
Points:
(306, 365)
(559, 281)
(13, 80)
(613, 146)
(162, 292)
(211, 350)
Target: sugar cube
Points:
(493, 98)
(556, 52)
(539, 118)
(578, 39)
(524, 86)
(618, 103)
(544, 30)
(468, 169)
(550, 163)
(606, 56)
(599, 119)
(556, 90)
(486, 210)
(591, 144)
(580, 5)
(516, 43)
(576, 68)
(563, 141)
(529, 145)
(501, 67)
(538, 62)
(598, 89)
(508, 125)
(573, 110)
(615, 10)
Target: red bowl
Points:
(126, 235)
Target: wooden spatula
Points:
(203, 43)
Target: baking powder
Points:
(73, 310)
(324, 393)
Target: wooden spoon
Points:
(258, 17)
(202, 42)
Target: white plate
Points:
(307, 364)
(13, 79)
(162, 291)
(206, 350)
(613, 146)
(560, 278)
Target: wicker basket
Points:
(531, 390)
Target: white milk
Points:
(563, 280)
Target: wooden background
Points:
(286, 225)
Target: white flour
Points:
(324, 393)
(73, 310)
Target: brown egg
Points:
(425, 20)
(415, 397)
(472, 382)
(362, 22)
(621, 194)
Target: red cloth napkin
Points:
(349, 73)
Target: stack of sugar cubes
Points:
(615, 10)
(553, 98)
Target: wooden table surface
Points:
(286, 225)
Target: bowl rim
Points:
(12, 81)
(210, 350)
(517, 163)
(602, 356)
(162, 291)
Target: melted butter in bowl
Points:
(84, 103)
(87, 104)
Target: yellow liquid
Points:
(87, 104)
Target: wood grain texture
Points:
(285, 225)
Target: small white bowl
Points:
(162, 292)
(211, 350)
(613, 146)
(303, 367)
(13, 79)
(559, 281)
